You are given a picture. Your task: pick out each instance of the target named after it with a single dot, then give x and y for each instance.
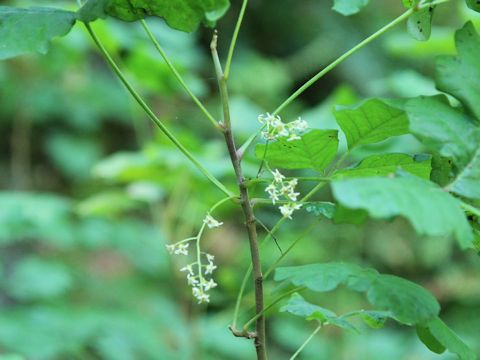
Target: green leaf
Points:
(453, 135)
(349, 7)
(410, 3)
(322, 208)
(184, 15)
(436, 335)
(388, 164)
(30, 30)
(298, 306)
(460, 75)
(375, 319)
(315, 150)
(431, 210)
(473, 4)
(371, 121)
(407, 302)
(419, 24)
(410, 303)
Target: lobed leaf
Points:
(453, 135)
(315, 150)
(371, 121)
(388, 164)
(430, 210)
(31, 30)
(184, 15)
(460, 75)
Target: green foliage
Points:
(324, 208)
(437, 336)
(388, 164)
(430, 210)
(408, 302)
(315, 150)
(349, 7)
(473, 4)
(184, 15)
(371, 121)
(460, 75)
(298, 306)
(30, 30)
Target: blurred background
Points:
(91, 192)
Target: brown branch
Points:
(250, 223)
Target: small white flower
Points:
(209, 268)
(188, 269)
(196, 291)
(277, 176)
(182, 249)
(293, 195)
(271, 189)
(292, 183)
(299, 125)
(293, 137)
(192, 280)
(170, 248)
(211, 222)
(274, 197)
(210, 284)
(203, 298)
(288, 209)
(210, 257)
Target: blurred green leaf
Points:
(371, 121)
(460, 75)
(109, 204)
(388, 164)
(375, 319)
(419, 24)
(36, 279)
(430, 210)
(324, 208)
(30, 30)
(315, 150)
(473, 4)
(437, 336)
(349, 7)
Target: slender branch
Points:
(247, 208)
(264, 241)
(269, 306)
(182, 82)
(234, 39)
(151, 114)
(244, 148)
(300, 349)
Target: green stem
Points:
(470, 209)
(151, 115)
(234, 38)
(268, 236)
(300, 349)
(342, 58)
(182, 82)
(269, 306)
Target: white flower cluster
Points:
(199, 273)
(286, 189)
(276, 128)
